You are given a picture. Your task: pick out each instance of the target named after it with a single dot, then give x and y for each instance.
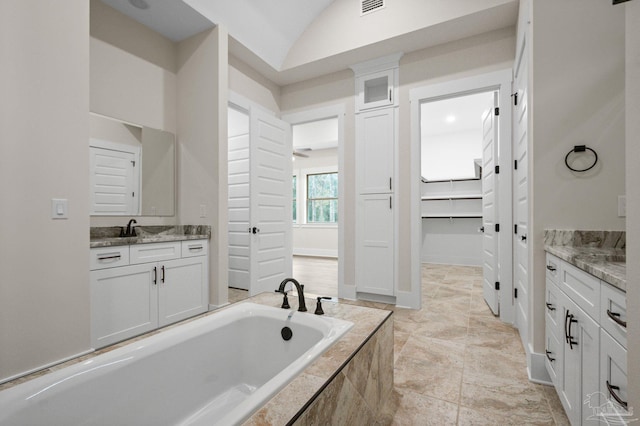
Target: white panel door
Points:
(521, 197)
(490, 210)
(374, 150)
(375, 251)
(239, 199)
(114, 182)
(271, 202)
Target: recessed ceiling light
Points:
(450, 118)
(140, 4)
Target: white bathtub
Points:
(215, 370)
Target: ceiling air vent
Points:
(368, 6)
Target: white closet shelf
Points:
(452, 216)
(452, 197)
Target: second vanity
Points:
(585, 317)
(145, 282)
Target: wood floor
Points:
(455, 363)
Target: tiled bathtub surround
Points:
(106, 236)
(348, 384)
(600, 253)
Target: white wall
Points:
(632, 97)
(44, 153)
(247, 82)
(451, 156)
(314, 239)
(577, 97)
(202, 140)
(328, 35)
(452, 241)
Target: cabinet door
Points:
(183, 289)
(124, 303)
(613, 374)
(375, 146)
(579, 387)
(376, 89)
(375, 245)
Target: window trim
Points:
(307, 199)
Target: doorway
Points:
(259, 203)
(460, 209)
(317, 184)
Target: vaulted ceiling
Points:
(294, 40)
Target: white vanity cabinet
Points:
(138, 288)
(581, 355)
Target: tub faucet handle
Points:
(319, 310)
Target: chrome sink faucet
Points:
(302, 307)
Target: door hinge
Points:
(497, 227)
(515, 293)
(133, 163)
(497, 169)
(133, 194)
(497, 285)
(515, 229)
(515, 164)
(497, 111)
(515, 98)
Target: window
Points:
(295, 199)
(322, 198)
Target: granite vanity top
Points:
(600, 253)
(109, 236)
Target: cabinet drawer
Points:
(553, 352)
(613, 306)
(553, 268)
(144, 253)
(195, 248)
(613, 369)
(553, 309)
(108, 257)
(582, 288)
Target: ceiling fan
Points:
(299, 152)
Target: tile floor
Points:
(455, 363)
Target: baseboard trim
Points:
(379, 298)
(537, 370)
(214, 307)
(315, 252)
(405, 299)
(44, 367)
(448, 260)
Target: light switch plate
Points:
(622, 205)
(59, 208)
(203, 210)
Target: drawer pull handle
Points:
(112, 257)
(571, 341)
(611, 389)
(551, 268)
(616, 318)
(195, 247)
(550, 307)
(549, 356)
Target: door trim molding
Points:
(345, 290)
(501, 81)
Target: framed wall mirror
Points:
(132, 169)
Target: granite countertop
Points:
(109, 236)
(600, 253)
